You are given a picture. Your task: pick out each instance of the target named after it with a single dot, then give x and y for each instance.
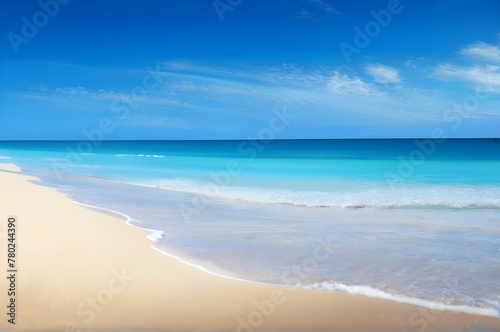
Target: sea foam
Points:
(430, 196)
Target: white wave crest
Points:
(140, 155)
(377, 293)
(431, 196)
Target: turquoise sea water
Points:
(415, 221)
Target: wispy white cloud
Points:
(191, 95)
(418, 65)
(326, 90)
(482, 73)
(410, 63)
(305, 14)
(383, 74)
(351, 85)
(160, 122)
(325, 6)
(486, 76)
(482, 51)
(82, 94)
(77, 91)
(314, 9)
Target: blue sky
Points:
(204, 69)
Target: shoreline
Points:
(70, 258)
(356, 289)
(362, 290)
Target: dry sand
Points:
(81, 269)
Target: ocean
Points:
(413, 221)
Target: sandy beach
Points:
(79, 269)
